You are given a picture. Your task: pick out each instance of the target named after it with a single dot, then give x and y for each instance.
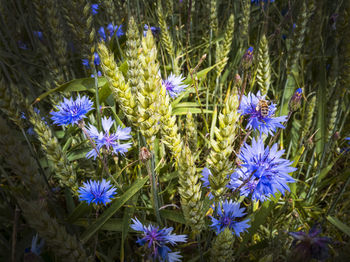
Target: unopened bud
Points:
(295, 101)
(144, 154)
(247, 59)
(238, 80)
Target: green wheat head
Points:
(20, 161)
(264, 68)
(118, 85)
(148, 97)
(222, 250)
(63, 170)
(135, 71)
(309, 113)
(169, 130)
(222, 147)
(190, 191)
(191, 132)
(64, 245)
(224, 49)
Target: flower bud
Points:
(247, 59)
(144, 154)
(295, 101)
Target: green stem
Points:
(152, 177)
(97, 99)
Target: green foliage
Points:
(158, 180)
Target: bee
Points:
(263, 107)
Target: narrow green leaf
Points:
(78, 212)
(295, 163)
(113, 224)
(173, 215)
(77, 85)
(184, 111)
(340, 225)
(78, 154)
(116, 205)
(128, 213)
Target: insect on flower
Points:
(263, 107)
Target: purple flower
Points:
(308, 245)
(99, 74)
(97, 192)
(38, 34)
(263, 172)
(94, 8)
(70, 111)
(111, 30)
(109, 141)
(205, 179)
(157, 240)
(174, 85)
(85, 62)
(22, 45)
(155, 30)
(266, 124)
(263, 1)
(227, 215)
(97, 60)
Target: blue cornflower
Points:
(38, 34)
(257, 121)
(22, 45)
(98, 74)
(97, 60)
(107, 140)
(72, 111)
(97, 192)
(158, 239)
(101, 31)
(347, 138)
(262, 171)
(228, 211)
(205, 179)
(85, 62)
(264, 1)
(155, 30)
(94, 8)
(111, 30)
(35, 249)
(309, 245)
(174, 85)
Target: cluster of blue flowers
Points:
(72, 112)
(111, 30)
(155, 30)
(157, 241)
(262, 172)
